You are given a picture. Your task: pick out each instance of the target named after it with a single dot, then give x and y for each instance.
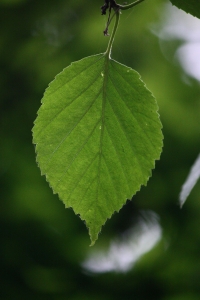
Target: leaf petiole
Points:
(117, 9)
(109, 48)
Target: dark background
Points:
(43, 245)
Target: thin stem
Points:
(117, 13)
(124, 7)
(109, 48)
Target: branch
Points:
(124, 7)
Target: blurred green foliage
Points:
(42, 244)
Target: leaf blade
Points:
(97, 137)
(192, 6)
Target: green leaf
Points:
(189, 6)
(97, 137)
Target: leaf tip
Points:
(92, 243)
(94, 231)
(93, 237)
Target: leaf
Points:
(189, 6)
(190, 182)
(97, 137)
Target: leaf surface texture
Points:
(97, 137)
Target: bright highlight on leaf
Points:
(97, 137)
(190, 181)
